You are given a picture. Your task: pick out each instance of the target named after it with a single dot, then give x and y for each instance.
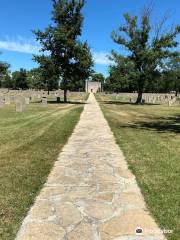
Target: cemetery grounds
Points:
(30, 142)
(149, 136)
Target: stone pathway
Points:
(90, 194)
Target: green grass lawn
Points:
(29, 145)
(149, 136)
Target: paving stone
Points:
(50, 192)
(42, 231)
(78, 193)
(107, 197)
(82, 232)
(124, 173)
(131, 198)
(68, 214)
(65, 180)
(99, 210)
(42, 210)
(126, 224)
(105, 236)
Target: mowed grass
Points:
(29, 145)
(149, 136)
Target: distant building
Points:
(93, 87)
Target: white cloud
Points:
(101, 58)
(23, 45)
(20, 45)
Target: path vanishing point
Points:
(90, 194)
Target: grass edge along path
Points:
(25, 169)
(160, 188)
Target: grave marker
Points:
(19, 106)
(27, 100)
(44, 102)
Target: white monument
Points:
(93, 86)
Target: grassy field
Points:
(29, 144)
(149, 136)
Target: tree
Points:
(145, 50)
(82, 69)
(7, 81)
(121, 74)
(98, 77)
(34, 79)
(4, 67)
(20, 79)
(61, 40)
(172, 73)
(49, 77)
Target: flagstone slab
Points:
(82, 232)
(128, 222)
(68, 214)
(42, 210)
(44, 231)
(51, 192)
(99, 210)
(106, 197)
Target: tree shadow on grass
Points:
(162, 124)
(127, 103)
(68, 102)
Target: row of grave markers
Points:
(151, 98)
(20, 103)
(22, 98)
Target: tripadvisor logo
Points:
(139, 230)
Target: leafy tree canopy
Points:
(19, 79)
(98, 77)
(146, 50)
(4, 74)
(69, 56)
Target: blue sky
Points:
(18, 18)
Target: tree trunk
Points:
(139, 98)
(65, 95)
(140, 90)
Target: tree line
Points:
(122, 78)
(34, 79)
(151, 63)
